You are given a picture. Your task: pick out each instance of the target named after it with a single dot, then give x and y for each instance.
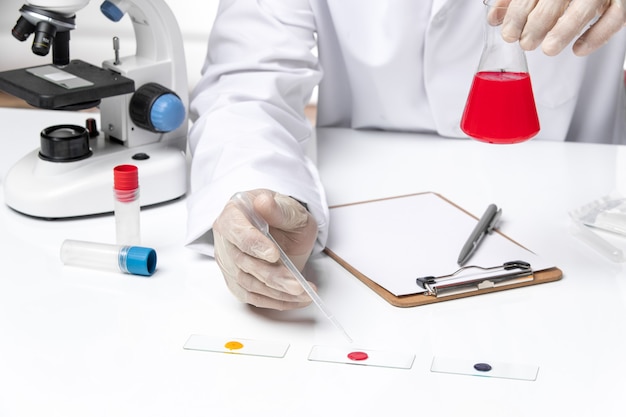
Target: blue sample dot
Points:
(482, 367)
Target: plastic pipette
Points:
(244, 203)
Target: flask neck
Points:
(499, 55)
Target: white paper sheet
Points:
(394, 241)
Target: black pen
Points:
(485, 225)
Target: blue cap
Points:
(167, 113)
(111, 11)
(140, 260)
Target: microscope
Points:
(143, 111)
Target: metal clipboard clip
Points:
(473, 278)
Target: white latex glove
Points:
(553, 24)
(250, 261)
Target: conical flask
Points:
(500, 107)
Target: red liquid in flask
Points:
(501, 108)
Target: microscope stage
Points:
(78, 85)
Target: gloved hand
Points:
(553, 24)
(250, 261)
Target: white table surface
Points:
(78, 342)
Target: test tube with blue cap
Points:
(136, 260)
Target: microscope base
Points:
(54, 190)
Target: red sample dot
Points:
(357, 356)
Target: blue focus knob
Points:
(156, 108)
(168, 113)
(111, 11)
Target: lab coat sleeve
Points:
(249, 130)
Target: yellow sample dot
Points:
(233, 345)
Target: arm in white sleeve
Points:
(249, 127)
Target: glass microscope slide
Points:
(237, 346)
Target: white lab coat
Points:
(395, 64)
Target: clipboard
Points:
(405, 249)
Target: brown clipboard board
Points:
(419, 299)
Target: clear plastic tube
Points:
(134, 260)
(127, 205)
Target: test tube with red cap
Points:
(127, 205)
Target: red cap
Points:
(125, 177)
